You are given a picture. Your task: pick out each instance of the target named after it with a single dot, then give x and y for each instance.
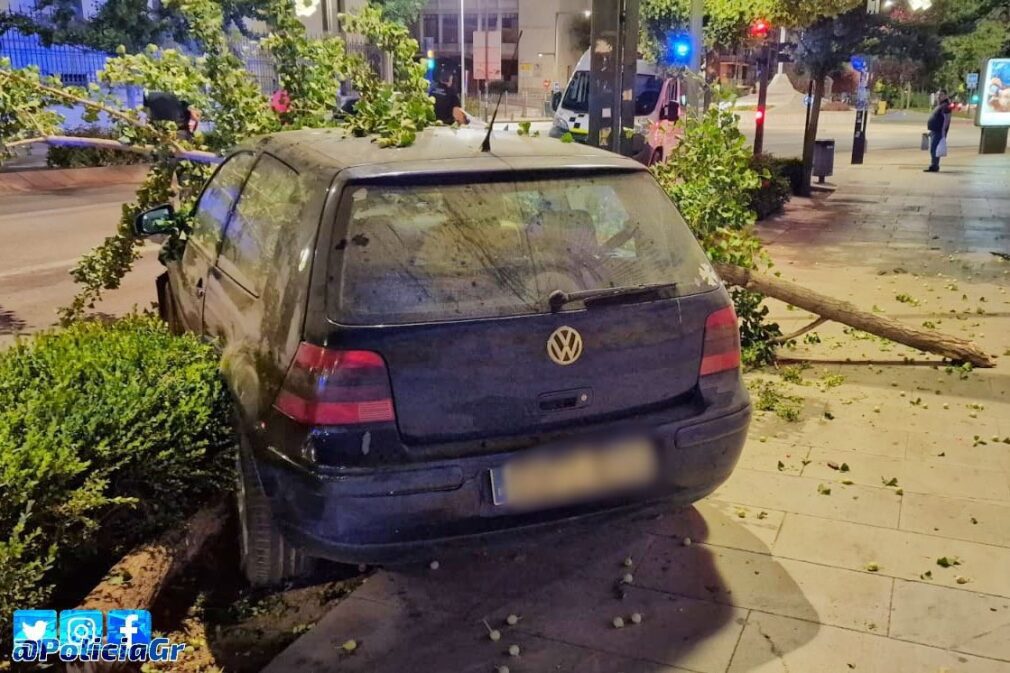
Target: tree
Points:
(217, 82)
(131, 23)
(972, 30)
(404, 12)
(580, 29)
(822, 48)
(725, 24)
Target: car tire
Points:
(166, 304)
(266, 557)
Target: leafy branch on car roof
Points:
(709, 175)
(216, 82)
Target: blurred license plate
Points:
(573, 475)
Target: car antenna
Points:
(486, 145)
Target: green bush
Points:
(775, 189)
(60, 156)
(710, 176)
(792, 170)
(109, 433)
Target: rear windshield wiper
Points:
(559, 298)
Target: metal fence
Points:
(79, 66)
(75, 66)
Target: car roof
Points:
(435, 150)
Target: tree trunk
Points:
(959, 350)
(198, 156)
(810, 135)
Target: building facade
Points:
(547, 53)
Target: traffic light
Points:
(679, 49)
(974, 99)
(759, 28)
(430, 66)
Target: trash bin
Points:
(881, 107)
(824, 159)
(925, 142)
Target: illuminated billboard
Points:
(994, 94)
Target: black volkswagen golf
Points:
(431, 345)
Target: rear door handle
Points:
(200, 291)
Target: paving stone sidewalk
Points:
(781, 575)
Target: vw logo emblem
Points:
(564, 346)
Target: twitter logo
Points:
(34, 625)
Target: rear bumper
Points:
(406, 514)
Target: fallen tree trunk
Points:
(198, 156)
(837, 310)
(136, 581)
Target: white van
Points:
(657, 108)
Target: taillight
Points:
(332, 387)
(721, 351)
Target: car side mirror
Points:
(555, 100)
(157, 220)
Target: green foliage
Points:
(24, 107)
(708, 175)
(965, 53)
(826, 44)
(309, 70)
(404, 12)
(776, 187)
(59, 156)
(727, 21)
(109, 433)
(710, 178)
(395, 112)
(216, 82)
(757, 334)
(131, 23)
(769, 396)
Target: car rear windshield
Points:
(434, 252)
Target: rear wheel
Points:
(266, 557)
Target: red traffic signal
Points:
(760, 28)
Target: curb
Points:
(53, 179)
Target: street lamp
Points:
(557, 39)
(462, 53)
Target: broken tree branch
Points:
(837, 310)
(801, 331)
(199, 156)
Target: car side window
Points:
(216, 201)
(271, 200)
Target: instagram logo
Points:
(80, 627)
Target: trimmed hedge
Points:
(109, 433)
(780, 179)
(59, 156)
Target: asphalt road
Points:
(42, 235)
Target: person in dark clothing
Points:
(938, 125)
(164, 106)
(448, 108)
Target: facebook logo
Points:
(132, 627)
(80, 627)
